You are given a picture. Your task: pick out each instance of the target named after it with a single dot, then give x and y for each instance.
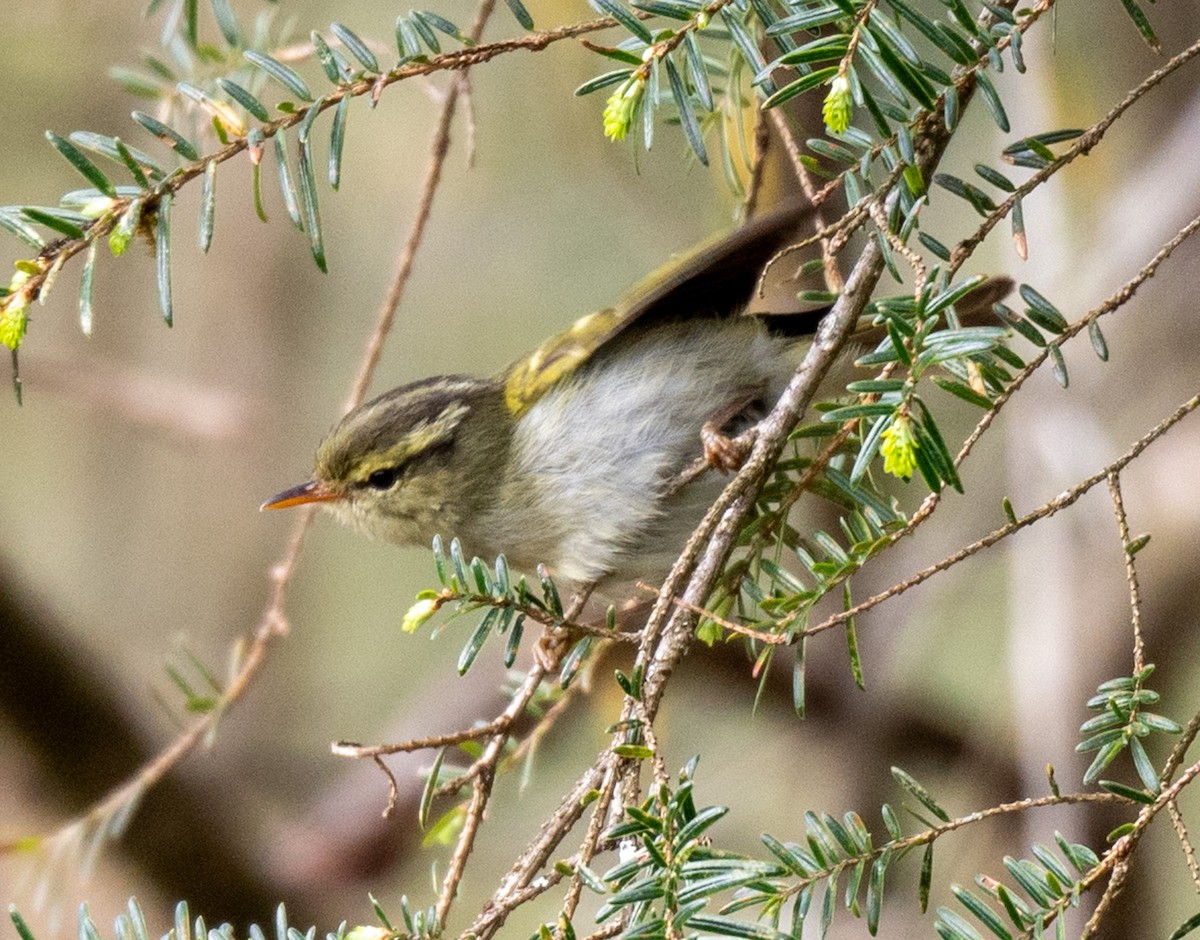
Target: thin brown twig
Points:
(817, 197)
(478, 768)
(650, 739)
(914, 259)
(1135, 602)
(357, 751)
(501, 725)
(796, 158)
(591, 842)
(438, 147)
(393, 789)
(860, 22)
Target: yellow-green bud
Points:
(119, 239)
(226, 117)
(838, 105)
(26, 845)
(899, 447)
(620, 107)
(709, 632)
(128, 222)
(97, 206)
(416, 615)
(14, 319)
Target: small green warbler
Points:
(570, 457)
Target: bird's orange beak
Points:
(314, 491)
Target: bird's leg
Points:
(554, 642)
(721, 451)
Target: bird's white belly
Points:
(594, 457)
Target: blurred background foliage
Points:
(135, 467)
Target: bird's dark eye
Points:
(383, 479)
